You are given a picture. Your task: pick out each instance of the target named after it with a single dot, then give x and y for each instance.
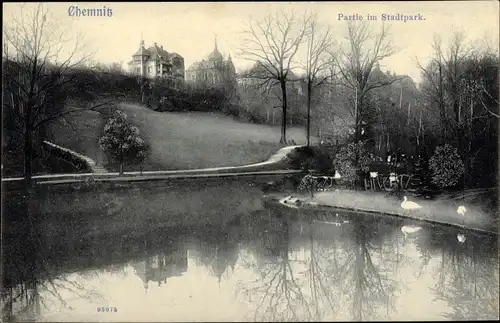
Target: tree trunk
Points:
(121, 162)
(283, 117)
(357, 121)
(468, 151)
(28, 146)
(442, 111)
(309, 95)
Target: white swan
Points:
(461, 237)
(409, 205)
(408, 229)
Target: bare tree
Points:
(434, 82)
(459, 80)
(442, 77)
(358, 61)
(454, 70)
(38, 77)
(318, 62)
(273, 43)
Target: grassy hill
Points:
(179, 140)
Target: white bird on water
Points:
(407, 229)
(461, 211)
(409, 205)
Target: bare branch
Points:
(272, 44)
(488, 110)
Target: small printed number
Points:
(107, 309)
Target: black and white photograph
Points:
(250, 161)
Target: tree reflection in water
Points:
(278, 291)
(28, 283)
(467, 277)
(25, 296)
(368, 289)
(338, 271)
(319, 277)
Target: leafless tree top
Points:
(273, 43)
(36, 36)
(320, 53)
(363, 50)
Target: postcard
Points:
(250, 161)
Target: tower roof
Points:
(142, 51)
(158, 53)
(215, 54)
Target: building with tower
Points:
(213, 70)
(155, 62)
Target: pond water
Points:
(273, 264)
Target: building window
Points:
(149, 69)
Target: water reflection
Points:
(218, 252)
(275, 264)
(159, 267)
(468, 280)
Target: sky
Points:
(189, 29)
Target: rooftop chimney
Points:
(156, 45)
(161, 46)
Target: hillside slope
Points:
(183, 140)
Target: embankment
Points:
(478, 216)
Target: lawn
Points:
(183, 140)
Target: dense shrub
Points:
(122, 142)
(311, 158)
(352, 161)
(446, 166)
